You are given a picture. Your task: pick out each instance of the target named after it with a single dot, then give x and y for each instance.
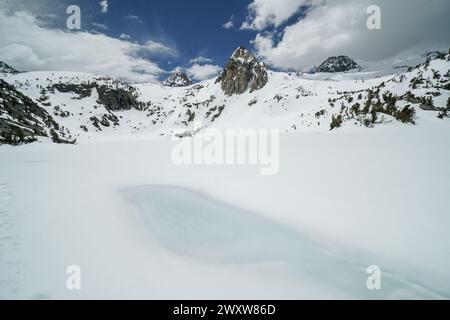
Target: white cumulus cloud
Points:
(104, 6)
(203, 72)
(132, 17)
(100, 26)
(332, 27)
(200, 60)
(264, 13)
(158, 48)
(229, 24)
(124, 36)
(26, 45)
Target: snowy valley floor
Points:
(141, 227)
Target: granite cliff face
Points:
(243, 72)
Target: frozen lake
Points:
(193, 225)
(140, 227)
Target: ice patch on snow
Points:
(194, 225)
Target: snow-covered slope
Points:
(22, 120)
(6, 69)
(94, 107)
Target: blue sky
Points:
(193, 28)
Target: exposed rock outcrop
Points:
(4, 68)
(22, 120)
(243, 72)
(337, 64)
(115, 97)
(177, 79)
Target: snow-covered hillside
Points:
(93, 107)
(6, 69)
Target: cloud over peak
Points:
(332, 27)
(202, 72)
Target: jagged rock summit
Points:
(337, 64)
(4, 68)
(243, 72)
(177, 79)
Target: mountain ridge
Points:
(243, 72)
(5, 68)
(93, 107)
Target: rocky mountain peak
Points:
(243, 72)
(243, 55)
(177, 79)
(337, 64)
(4, 68)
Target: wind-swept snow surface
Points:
(195, 226)
(140, 227)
